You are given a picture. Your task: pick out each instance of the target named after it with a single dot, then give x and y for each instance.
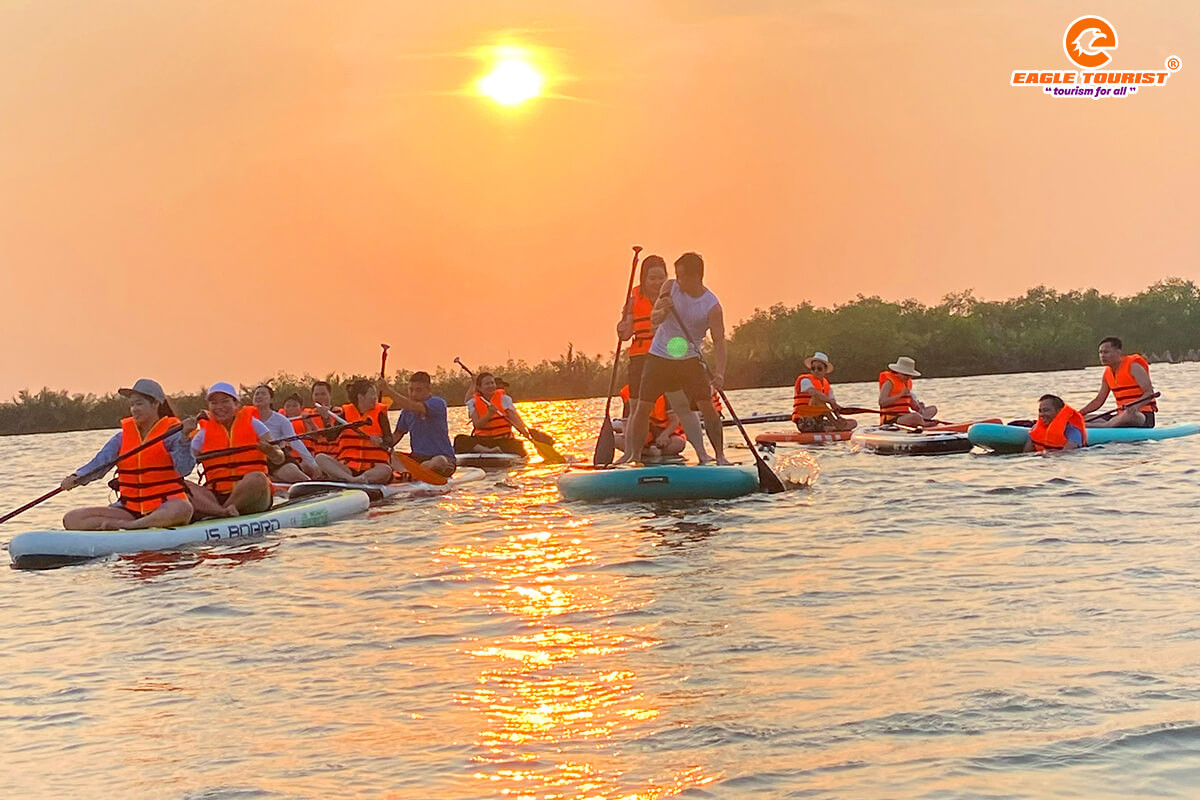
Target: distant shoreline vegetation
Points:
(1040, 331)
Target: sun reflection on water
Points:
(554, 696)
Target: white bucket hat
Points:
(905, 366)
(819, 356)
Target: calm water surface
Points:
(959, 626)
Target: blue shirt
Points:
(1074, 435)
(428, 433)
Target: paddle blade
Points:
(417, 470)
(548, 453)
(606, 444)
(768, 481)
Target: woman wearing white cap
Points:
(897, 403)
(234, 482)
(149, 484)
(814, 408)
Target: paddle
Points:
(606, 443)
(96, 472)
(413, 467)
(542, 441)
(857, 410)
(229, 451)
(768, 481)
(387, 401)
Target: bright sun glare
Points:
(512, 81)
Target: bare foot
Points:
(722, 461)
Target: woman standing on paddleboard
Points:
(635, 319)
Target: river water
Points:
(959, 626)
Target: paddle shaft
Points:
(174, 429)
(1136, 404)
(229, 451)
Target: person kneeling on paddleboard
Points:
(1127, 377)
(1059, 427)
(236, 454)
(684, 312)
(898, 404)
(149, 484)
(364, 451)
(493, 418)
(666, 433)
(423, 416)
(814, 408)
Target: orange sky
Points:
(213, 190)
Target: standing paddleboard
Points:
(42, 549)
(660, 482)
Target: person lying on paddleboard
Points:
(364, 453)
(234, 483)
(814, 408)
(1058, 427)
(1127, 377)
(635, 321)
(665, 437)
(423, 416)
(493, 418)
(896, 399)
(300, 464)
(673, 363)
(149, 484)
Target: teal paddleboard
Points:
(660, 482)
(1012, 438)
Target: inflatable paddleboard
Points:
(376, 491)
(895, 441)
(41, 549)
(491, 460)
(796, 437)
(1012, 438)
(660, 482)
(618, 423)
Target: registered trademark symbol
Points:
(1173, 63)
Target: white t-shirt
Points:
(806, 385)
(694, 312)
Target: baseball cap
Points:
(147, 387)
(222, 387)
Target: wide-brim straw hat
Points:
(905, 366)
(818, 356)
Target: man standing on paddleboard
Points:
(684, 312)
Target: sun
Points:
(512, 81)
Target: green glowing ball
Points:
(677, 347)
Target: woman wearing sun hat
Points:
(898, 404)
(149, 484)
(814, 409)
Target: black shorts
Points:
(1149, 415)
(662, 375)
(508, 444)
(634, 377)
(445, 472)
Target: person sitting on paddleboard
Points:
(1127, 377)
(635, 321)
(364, 453)
(423, 416)
(238, 482)
(299, 467)
(1059, 427)
(673, 363)
(814, 408)
(149, 484)
(493, 418)
(898, 404)
(665, 437)
(322, 395)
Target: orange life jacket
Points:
(315, 444)
(643, 330)
(498, 426)
(802, 405)
(354, 449)
(221, 473)
(147, 479)
(1123, 385)
(1054, 435)
(897, 383)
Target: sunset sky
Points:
(219, 190)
